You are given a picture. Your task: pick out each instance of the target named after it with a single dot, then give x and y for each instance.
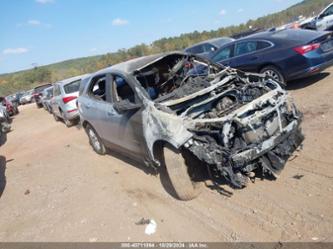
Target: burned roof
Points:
(133, 65)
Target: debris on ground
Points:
(143, 221)
(151, 228)
(298, 176)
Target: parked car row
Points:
(26, 98)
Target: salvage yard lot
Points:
(56, 188)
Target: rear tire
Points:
(274, 72)
(178, 173)
(95, 141)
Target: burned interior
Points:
(239, 122)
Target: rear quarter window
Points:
(263, 45)
(72, 87)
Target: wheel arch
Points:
(269, 64)
(157, 150)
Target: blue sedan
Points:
(284, 55)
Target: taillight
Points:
(67, 99)
(307, 48)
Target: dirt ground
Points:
(54, 187)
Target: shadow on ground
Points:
(301, 83)
(163, 175)
(2, 174)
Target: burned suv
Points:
(225, 124)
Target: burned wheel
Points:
(95, 140)
(178, 172)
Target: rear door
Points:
(116, 129)
(94, 104)
(124, 128)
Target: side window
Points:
(123, 90)
(263, 45)
(197, 49)
(328, 12)
(97, 87)
(223, 54)
(242, 48)
(208, 48)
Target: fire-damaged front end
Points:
(234, 122)
(249, 126)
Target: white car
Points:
(63, 103)
(324, 21)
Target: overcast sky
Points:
(48, 31)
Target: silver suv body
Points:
(63, 103)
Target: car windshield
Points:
(72, 87)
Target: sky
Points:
(40, 32)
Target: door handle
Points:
(254, 58)
(87, 105)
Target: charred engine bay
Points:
(240, 122)
(219, 143)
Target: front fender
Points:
(162, 126)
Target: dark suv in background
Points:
(38, 93)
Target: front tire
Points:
(95, 141)
(274, 73)
(178, 172)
